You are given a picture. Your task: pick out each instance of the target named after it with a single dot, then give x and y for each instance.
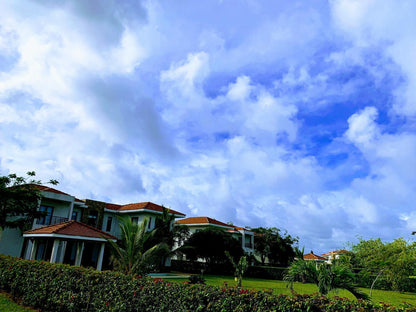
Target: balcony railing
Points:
(48, 220)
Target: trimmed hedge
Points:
(58, 287)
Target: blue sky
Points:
(298, 115)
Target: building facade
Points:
(74, 231)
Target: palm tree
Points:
(326, 276)
(131, 255)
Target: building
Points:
(312, 257)
(196, 224)
(333, 255)
(74, 231)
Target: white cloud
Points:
(282, 117)
(362, 127)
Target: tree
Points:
(19, 200)
(130, 254)
(210, 244)
(240, 267)
(270, 244)
(395, 260)
(327, 277)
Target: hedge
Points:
(59, 287)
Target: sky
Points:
(299, 115)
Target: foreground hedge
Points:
(58, 287)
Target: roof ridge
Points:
(91, 227)
(45, 226)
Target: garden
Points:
(58, 287)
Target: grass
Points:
(279, 287)
(7, 304)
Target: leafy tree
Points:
(19, 200)
(210, 244)
(395, 260)
(131, 254)
(271, 245)
(327, 277)
(167, 232)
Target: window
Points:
(149, 225)
(74, 215)
(92, 217)
(109, 222)
(135, 220)
(45, 220)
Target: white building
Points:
(73, 230)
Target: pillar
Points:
(80, 251)
(54, 253)
(100, 257)
(33, 250)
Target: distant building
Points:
(243, 235)
(312, 257)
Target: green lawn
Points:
(6, 304)
(279, 287)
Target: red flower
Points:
(107, 303)
(134, 294)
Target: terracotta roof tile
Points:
(71, 228)
(203, 220)
(48, 189)
(336, 252)
(311, 256)
(112, 206)
(148, 206)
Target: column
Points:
(62, 254)
(71, 209)
(54, 251)
(80, 250)
(100, 257)
(33, 250)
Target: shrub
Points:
(58, 287)
(196, 279)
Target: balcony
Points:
(50, 220)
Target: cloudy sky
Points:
(295, 114)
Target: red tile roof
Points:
(311, 256)
(112, 206)
(71, 228)
(116, 207)
(203, 220)
(336, 252)
(139, 206)
(48, 189)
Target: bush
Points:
(58, 287)
(196, 279)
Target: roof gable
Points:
(203, 221)
(71, 228)
(142, 206)
(312, 256)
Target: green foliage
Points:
(277, 248)
(210, 244)
(240, 267)
(132, 254)
(395, 260)
(7, 304)
(197, 279)
(327, 277)
(19, 200)
(59, 287)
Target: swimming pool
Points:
(169, 275)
